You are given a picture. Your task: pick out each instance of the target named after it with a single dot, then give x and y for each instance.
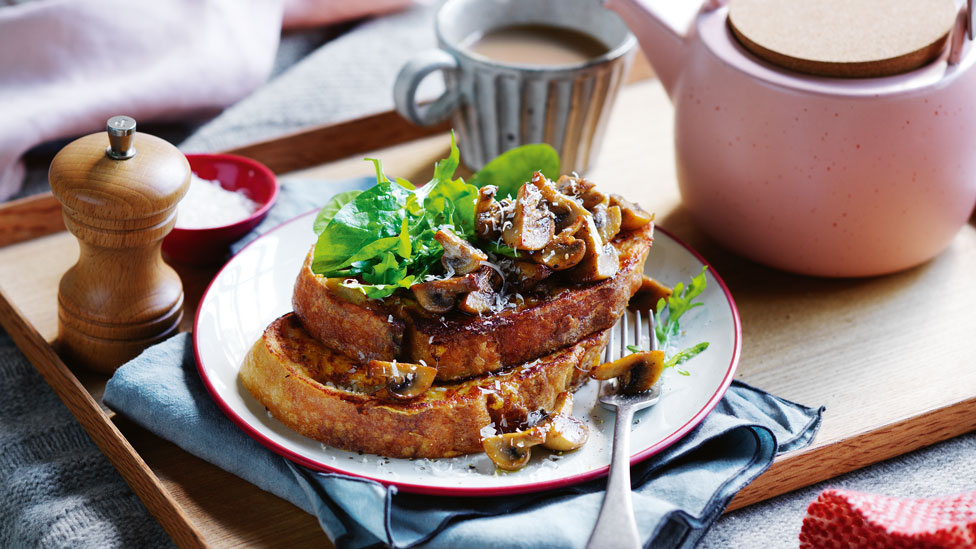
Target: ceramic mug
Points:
(495, 105)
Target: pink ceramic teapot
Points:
(819, 175)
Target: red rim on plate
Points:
(662, 444)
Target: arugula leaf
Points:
(509, 170)
(328, 211)
(685, 355)
(681, 300)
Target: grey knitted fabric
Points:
(58, 489)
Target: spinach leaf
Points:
(509, 170)
(328, 211)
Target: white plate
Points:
(255, 287)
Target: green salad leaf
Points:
(666, 328)
(326, 214)
(383, 238)
(509, 170)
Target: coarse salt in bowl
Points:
(228, 196)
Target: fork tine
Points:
(624, 333)
(637, 329)
(611, 340)
(652, 344)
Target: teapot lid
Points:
(840, 38)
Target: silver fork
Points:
(615, 526)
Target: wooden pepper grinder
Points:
(119, 202)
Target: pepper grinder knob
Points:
(120, 297)
(121, 134)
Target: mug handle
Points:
(409, 78)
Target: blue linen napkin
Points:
(677, 494)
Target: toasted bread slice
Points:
(554, 315)
(320, 393)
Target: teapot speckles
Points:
(813, 174)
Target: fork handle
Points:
(616, 527)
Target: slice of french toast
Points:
(552, 315)
(325, 395)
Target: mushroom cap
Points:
(565, 433)
(644, 374)
(632, 216)
(438, 296)
(512, 451)
(532, 226)
(601, 260)
(488, 214)
(459, 256)
(562, 252)
(626, 364)
(481, 299)
(403, 380)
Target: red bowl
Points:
(211, 245)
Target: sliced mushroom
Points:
(601, 261)
(644, 374)
(488, 214)
(563, 404)
(439, 296)
(568, 224)
(529, 274)
(607, 220)
(459, 256)
(573, 186)
(568, 213)
(565, 432)
(512, 451)
(648, 295)
(557, 199)
(532, 226)
(562, 252)
(480, 300)
(632, 215)
(636, 372)
(591, 197)
(403, 380)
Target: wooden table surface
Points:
(890, 357)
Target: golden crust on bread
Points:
(365, 331)
(554, 315)
(319, 393)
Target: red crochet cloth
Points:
(846, 519)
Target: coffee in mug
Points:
(531, 71)
(536, 45)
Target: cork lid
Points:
(844, 38)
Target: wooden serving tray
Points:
(891, 357)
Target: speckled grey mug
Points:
(497, 106)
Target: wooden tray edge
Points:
(811, 465)
(99, 427)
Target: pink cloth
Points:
(846, 519)
(66, 66)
